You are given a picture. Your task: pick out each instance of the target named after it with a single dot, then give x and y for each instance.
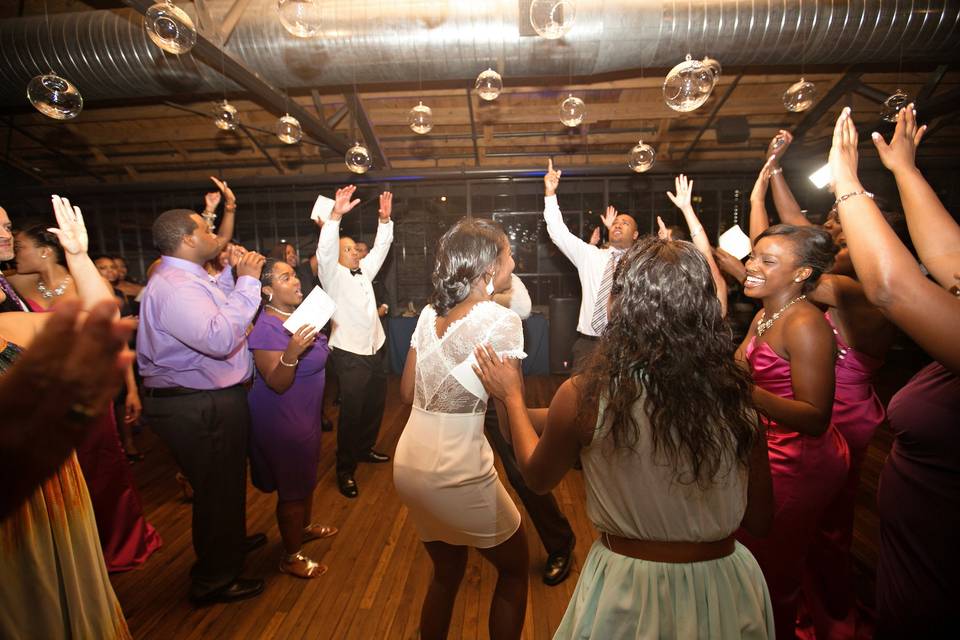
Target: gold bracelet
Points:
(776, 172)
(852, 194)
(289, 365)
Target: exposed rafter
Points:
(213, 55)
(844, 84)
(713, 116)
(366, 129)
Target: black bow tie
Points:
(356, 272)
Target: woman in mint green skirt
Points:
(673, 459)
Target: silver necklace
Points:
(283, 313)
(763, 325)
(58, 291)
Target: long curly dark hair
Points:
(465, 253)
(667, 341)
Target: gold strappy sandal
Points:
(301, 566)
(317, 531)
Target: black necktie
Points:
(355, 272)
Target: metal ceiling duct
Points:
(108, 56)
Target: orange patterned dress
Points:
(53, 581)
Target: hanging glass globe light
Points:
(170, 27)
(300, 17)
(54, 96)
(893, 105)
(572, 111)
(689, 84)
(641, 157)
(421, 119)
(226, 117)
(489, 85)
(800, 96)
(288, 129)
(552, 19)
(358, 158)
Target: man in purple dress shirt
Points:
(192, 351)
(9, 300)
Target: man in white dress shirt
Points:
(594, 265)
(356, 336)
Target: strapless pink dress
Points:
(857, 412)
(808, 472)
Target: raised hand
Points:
(900, 155)
(684, 188)
(608, 217)
(342, 203)
(211, 201)
(551, 179)
(778, 145)
(663, 232)
(386, 206)
(251, 264)
(595, 236)
(500, 379)
(302, 340)
(72, 233)
(843, 153)
(763, 181)
(231, 200)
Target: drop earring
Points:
(490, 286)
(270, 297)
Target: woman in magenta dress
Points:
(125, 535)
(285, 404)
(790, 351)
(918, 572)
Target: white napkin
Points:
(322, 209)
(735, 242)
(316, 309)
(465, 375)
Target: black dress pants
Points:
(363, 390)
(207, 432)
(552, 526)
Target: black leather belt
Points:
(586, 337)
(175, 392)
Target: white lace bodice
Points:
(436, 388)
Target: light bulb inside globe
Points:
(226, 117)
(420, 119)
(892, 105)
(800, 96)
(358, 158)
(489, 85)
(572, 111)
(641, 157)
(552, 19)
(301, 18)
(170, 28)
(54, 97)
(288, 129)
(689, 84)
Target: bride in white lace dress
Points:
(443, 466)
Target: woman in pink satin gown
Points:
(790, 350)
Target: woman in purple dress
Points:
(285, 404)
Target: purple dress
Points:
(285, 428)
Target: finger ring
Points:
(80, 412)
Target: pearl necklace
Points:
(283, 313)
(763, 325)
(58, 291)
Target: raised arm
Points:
(759, 220)
(328, 246)
(72, 234)
(682, 199)
(570, 245)
(783, 201)
(934, 232)
(227, 222)
(381, 244)
(890, 276)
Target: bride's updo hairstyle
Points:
(465, 254)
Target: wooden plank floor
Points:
(378, 569)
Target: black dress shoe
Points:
(348, 486)
(375, 457)
(558, 567)
(239, 589)
(255, 541)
